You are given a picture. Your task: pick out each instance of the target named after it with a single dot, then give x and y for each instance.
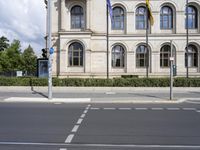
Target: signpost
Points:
(171, 70)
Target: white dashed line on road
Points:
(79, 121)
(69, 138)
(157, 108)
(141, 108)
(63, 149)
(109, 108)
(83, 116)
(77, 125)
(189, 109)
(75, 128)
(198, 111)
(94, 108)
(85, 111)
(173, 108)
(124, 108)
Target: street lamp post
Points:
(49, 47)
(171, 70)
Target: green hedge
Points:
(116, 82)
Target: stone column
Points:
(62, 10)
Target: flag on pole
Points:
(110, 10)
(150, 16)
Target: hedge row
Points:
(116, 82)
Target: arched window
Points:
(118, 18)
(166, 18)
(192, 56)
(141, 18)
(141, 56)
(118, 56)
(165, 54)
(75, 55)
(77, 18)
(192, 18)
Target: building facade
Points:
(79, 30)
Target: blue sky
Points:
(24, 20)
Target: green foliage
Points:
(11, 58)
(29, 61)
(13, 55)
(3, 43)
(129, 76)
(116, 82)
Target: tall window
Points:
(141, 18)
(77, 18)
(75, 55)
(118, 56)
(141, 56)
(166, 18)
(192, 18)
(192, 56)
(165, 54)
(118, 18)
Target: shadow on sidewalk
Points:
(39, 93)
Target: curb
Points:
(46, 100)
(86, 100)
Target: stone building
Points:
(79, 37)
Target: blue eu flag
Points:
(110, 10)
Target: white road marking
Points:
(79, 121)
(124, 108)
(85, 111)
(141, 108)
(157, 108)
(75, 128)
(93, 108)
(109, 108)
(83, 116)
(69, 138)
(173, 108)
(63, 149)
(110, 93)
(57, 103)
(198, 111)
(189, 109)
(67, 143)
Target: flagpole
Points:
(107, 40)
(147, 40)
(187, 40)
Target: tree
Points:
(3, 43)
(14, 56)
(29, 60)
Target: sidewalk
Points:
(99, 94)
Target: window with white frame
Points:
(118, 55)
(75, 55)
(192, 58)
(141, 17)
(166, 18)
(77, 17)
(118, 18)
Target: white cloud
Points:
(24, 20)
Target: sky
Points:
(24, 20)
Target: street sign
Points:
(51, 51)
(171, 58)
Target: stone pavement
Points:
(99, 94)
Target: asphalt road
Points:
(99, 126)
